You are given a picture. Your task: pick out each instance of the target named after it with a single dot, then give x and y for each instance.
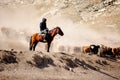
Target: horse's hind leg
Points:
(34, 46)
(31, 44)
(30, 48)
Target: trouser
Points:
(45, 33)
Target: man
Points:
(43, 28)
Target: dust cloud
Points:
(79, 34)
(17, 24)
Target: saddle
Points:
(45, 34)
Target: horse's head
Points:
(59, 31)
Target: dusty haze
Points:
(82, 24)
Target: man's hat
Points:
(44, 19)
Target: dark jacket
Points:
(43, 25)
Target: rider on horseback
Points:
(43, 29)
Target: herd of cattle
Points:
(101, 50)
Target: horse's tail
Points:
(30, 46)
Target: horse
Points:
(35, 38)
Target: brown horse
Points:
(35, 38)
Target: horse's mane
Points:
(55, 28)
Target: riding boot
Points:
(44, 38)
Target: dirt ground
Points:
(25, 65)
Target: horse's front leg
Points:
(49, 43)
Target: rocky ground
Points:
(25, 65)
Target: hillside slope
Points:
(25, 65)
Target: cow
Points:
(104, 50)
(94, 49)
(86, 49)
(116, 51)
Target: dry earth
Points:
(25, 65)
(83, 22)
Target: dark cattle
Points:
(116, 51)
(94, 49)
(104, 50)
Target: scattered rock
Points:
(41, 61)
